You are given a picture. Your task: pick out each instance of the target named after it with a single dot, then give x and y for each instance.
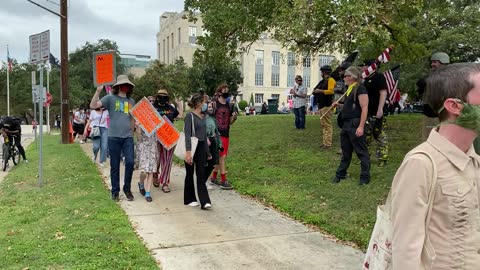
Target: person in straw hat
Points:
(120, 133)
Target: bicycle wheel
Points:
(15, 155)
(6, 156)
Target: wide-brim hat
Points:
(123, 79)
(162, 92)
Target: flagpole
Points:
(8, 84)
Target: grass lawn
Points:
(272, 161)
(69, 223)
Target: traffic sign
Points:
(40, 47)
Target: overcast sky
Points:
(133, 24)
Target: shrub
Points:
(242, 105)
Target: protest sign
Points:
(104, 68)
(167, 134)
(147, 116)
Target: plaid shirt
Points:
(299, 102)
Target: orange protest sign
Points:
(147, 116)
(167, 134)
(104, 68)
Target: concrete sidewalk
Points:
(237, 233)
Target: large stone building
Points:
(268, 69)
(135, 64)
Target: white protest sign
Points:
(40, 47)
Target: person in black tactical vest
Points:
(323, 93)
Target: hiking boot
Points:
(325, 147)
(337, 179)
(363, 182)
(129, 195)
(225, 185)
(115, 197)
(142, 190)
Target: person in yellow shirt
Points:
(323, 93)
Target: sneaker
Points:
(215, 181)
(209, 186)
(26, 161)
(81, 142)
(115, 197)
(129, 195)
(102, 164)
(225, 185)
(207, 206)
(148, 199)
(142, 190)
(193, 204)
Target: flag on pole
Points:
(392, 76)
(384, 57)
(53, 61)
(9, 61)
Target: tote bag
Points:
(379, 251)
(96, 129)
(180, 149)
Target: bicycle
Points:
(9, 150)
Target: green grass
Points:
(69, 223)
(272, 161)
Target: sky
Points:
(133, 24)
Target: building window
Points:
(259, 78)
(172, 41)
(291, 59)
(325, 60)
(275, 58)
(179, 36)
(259, 58)
(164, 51)
(168, 50)
(275, 78)
(275, 96)
(306, 77)
(275, 68)
(290, 69)
(192, 34)
(307, 62)
(258, 98)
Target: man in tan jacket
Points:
(450, 239)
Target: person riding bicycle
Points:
(12, 128)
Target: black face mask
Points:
(162, 100)
(225, 95)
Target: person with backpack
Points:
(13, 128)
(435, 193)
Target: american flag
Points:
(382, 58)
(9, 60)
(392, 76)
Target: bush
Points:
(242, 105)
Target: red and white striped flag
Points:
(392, 76)
(382, 58)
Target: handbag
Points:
(181, 150)
(379, 251)
(96, 129)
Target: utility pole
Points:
(64, 73)
(64, 69)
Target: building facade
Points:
(268, 69)
(135, 64)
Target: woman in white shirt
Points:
(98, 118)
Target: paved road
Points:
(237, 233)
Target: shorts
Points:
(78, 128)
(225, 142)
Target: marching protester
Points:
(120, 132)
(79, 120)
(352, 121)
(98, 119)
(376, 85)
(299, 93)
(195, 125)
(323, 92)
(436, 191)
(165, 157)
(225, 117)
(213, 136)
(147, 156)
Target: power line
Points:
(53, 2)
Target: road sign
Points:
(40, 47)
(48, 99)
(104, 68)
(36, 93)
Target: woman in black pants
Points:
(195, 125)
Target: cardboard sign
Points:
(167, 134)
(147, 116)
(104, 68)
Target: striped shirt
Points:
(299, 102)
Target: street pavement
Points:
(27, 139)
(237, 233)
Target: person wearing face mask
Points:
(225, 117)
(214, 141)
(435, 193)
(165, 157)
(195, 124)
(120, 132)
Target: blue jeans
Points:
(299, 117)
(101, 144)
(116, 146)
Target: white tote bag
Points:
(379, 251)
(180, 149)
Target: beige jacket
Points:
(452, 239)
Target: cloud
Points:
(132, 24)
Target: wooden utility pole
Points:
(64, 73)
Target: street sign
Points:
(48, 99)
(40, 47)
(36, 94)
(104, 68)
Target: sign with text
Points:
(147, 116)
(167, 134)
(40, 47)
(104, 68)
